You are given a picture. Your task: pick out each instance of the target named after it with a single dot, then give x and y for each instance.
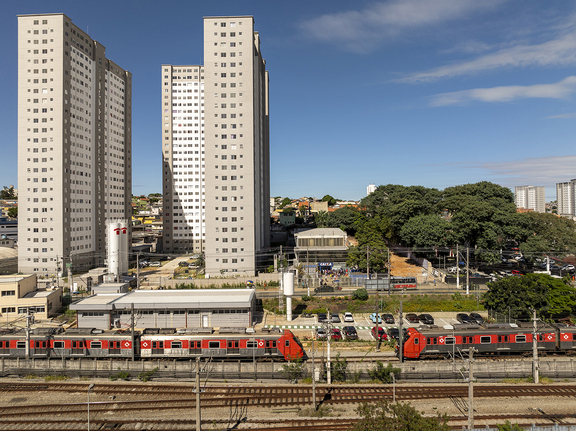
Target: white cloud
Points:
(361, 31)
(559, 51)
(559, 90)
(545, 171)
(567, 115)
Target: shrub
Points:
(382, 373)
(145, 376)
(293, 370)
(306, 298)
(120, 375)
(360, 294)
(339, 369)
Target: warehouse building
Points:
(206, 308)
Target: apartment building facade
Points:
(566, 198)
(530, 198)
(183, 158)
(229, 175)
(74, 144)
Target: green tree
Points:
(13, 212)
(371, 235)
(382, 373)
(518, 295)
(321, 219)
(547, 233)
(348, 219)
(339, 369)
(507, 426)
(427, 231)
(327, 198)
(7, 193)
(360, 294)
(285, 201)
(385, 415)
(200, 261)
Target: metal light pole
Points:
(89, 390)
(393, 387)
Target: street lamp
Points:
(89, 390)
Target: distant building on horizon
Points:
(370, 189)
(565, 198)
(530, 198)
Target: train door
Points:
(195, 347)
(40, 347)
(233, 347)
(503, 343)
(271, 347)
(158, 347)
(77, 347)
(114, 347)
(5, 347)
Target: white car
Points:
(156, 263)
(348, 317)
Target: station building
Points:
(203, 308)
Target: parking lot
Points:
(306, 326)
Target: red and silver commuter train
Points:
(489, 339)
(150, 343)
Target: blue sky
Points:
(428, 92)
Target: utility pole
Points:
(471, 390)
(535, 365)
(28, 316)
(313, 377)
(328, 336)
(198, 415)
(132, 328)
(367, 262)
(389, 270)
(400, 338)
(138, 270)
(457, 269)
(467, 270)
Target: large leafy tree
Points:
(518, 295)
(426, 231)
(385, 415)
(371, 238)
(13, 212)
(327, 198)
(548, 233)
(348, 219)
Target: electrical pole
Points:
(471, 390)
(328, 336)
(198, 415)
(389, 270)
(457, 269)
(400, 338)
(367, 263)
(313, 377)
(138, 270)
(467, 270)
(535, 365)
(28, 316)
(132, 328)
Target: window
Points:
(176, 344)
(251, 344)
(520, 338)
(214, 344)
(58, 344)
(8, 293)
(96, 344)
(21, 344)
(450, 340)
(485, 340)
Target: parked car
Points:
(348, 317)
(320, 334)
(155, 263)
(335, 318)
(568, 267)
(336, 334)
(412, 318)
(394, 332)
(373, 317)
(350, 332)
(516, 272)
(463, 318)
(476, 318)
(426, 319)
(324, 289)
(183, 263)
(388, 318)
(322, 317)
(381, 333)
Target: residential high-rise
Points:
(232, 179)
(74, 144)
(183, 158)
(565, 197)
(530, 198)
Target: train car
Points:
(13, 342)
(162, 344)
(497, 339)
(94, 343)
(400, 283)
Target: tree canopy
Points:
(518, 295)
(327, 198)
(7, 193)
(13, 212)
(385, 415)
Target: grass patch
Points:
(321, 412)
(51, 378)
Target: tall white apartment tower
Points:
(74, 145)
(183, 158)
(237, 146)
(530, 197)
(566, 198)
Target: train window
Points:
(450, 340)
(58, 344)
(574, 336)
(287, 343)
(214, 344)
(21, 344)
(468, 340)
(541, 337)
(176, 344)
(251, 344)
(485, 340)
(506, 339)
(520, 338)
(96, 345)
(428, 341)
(416, 340)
